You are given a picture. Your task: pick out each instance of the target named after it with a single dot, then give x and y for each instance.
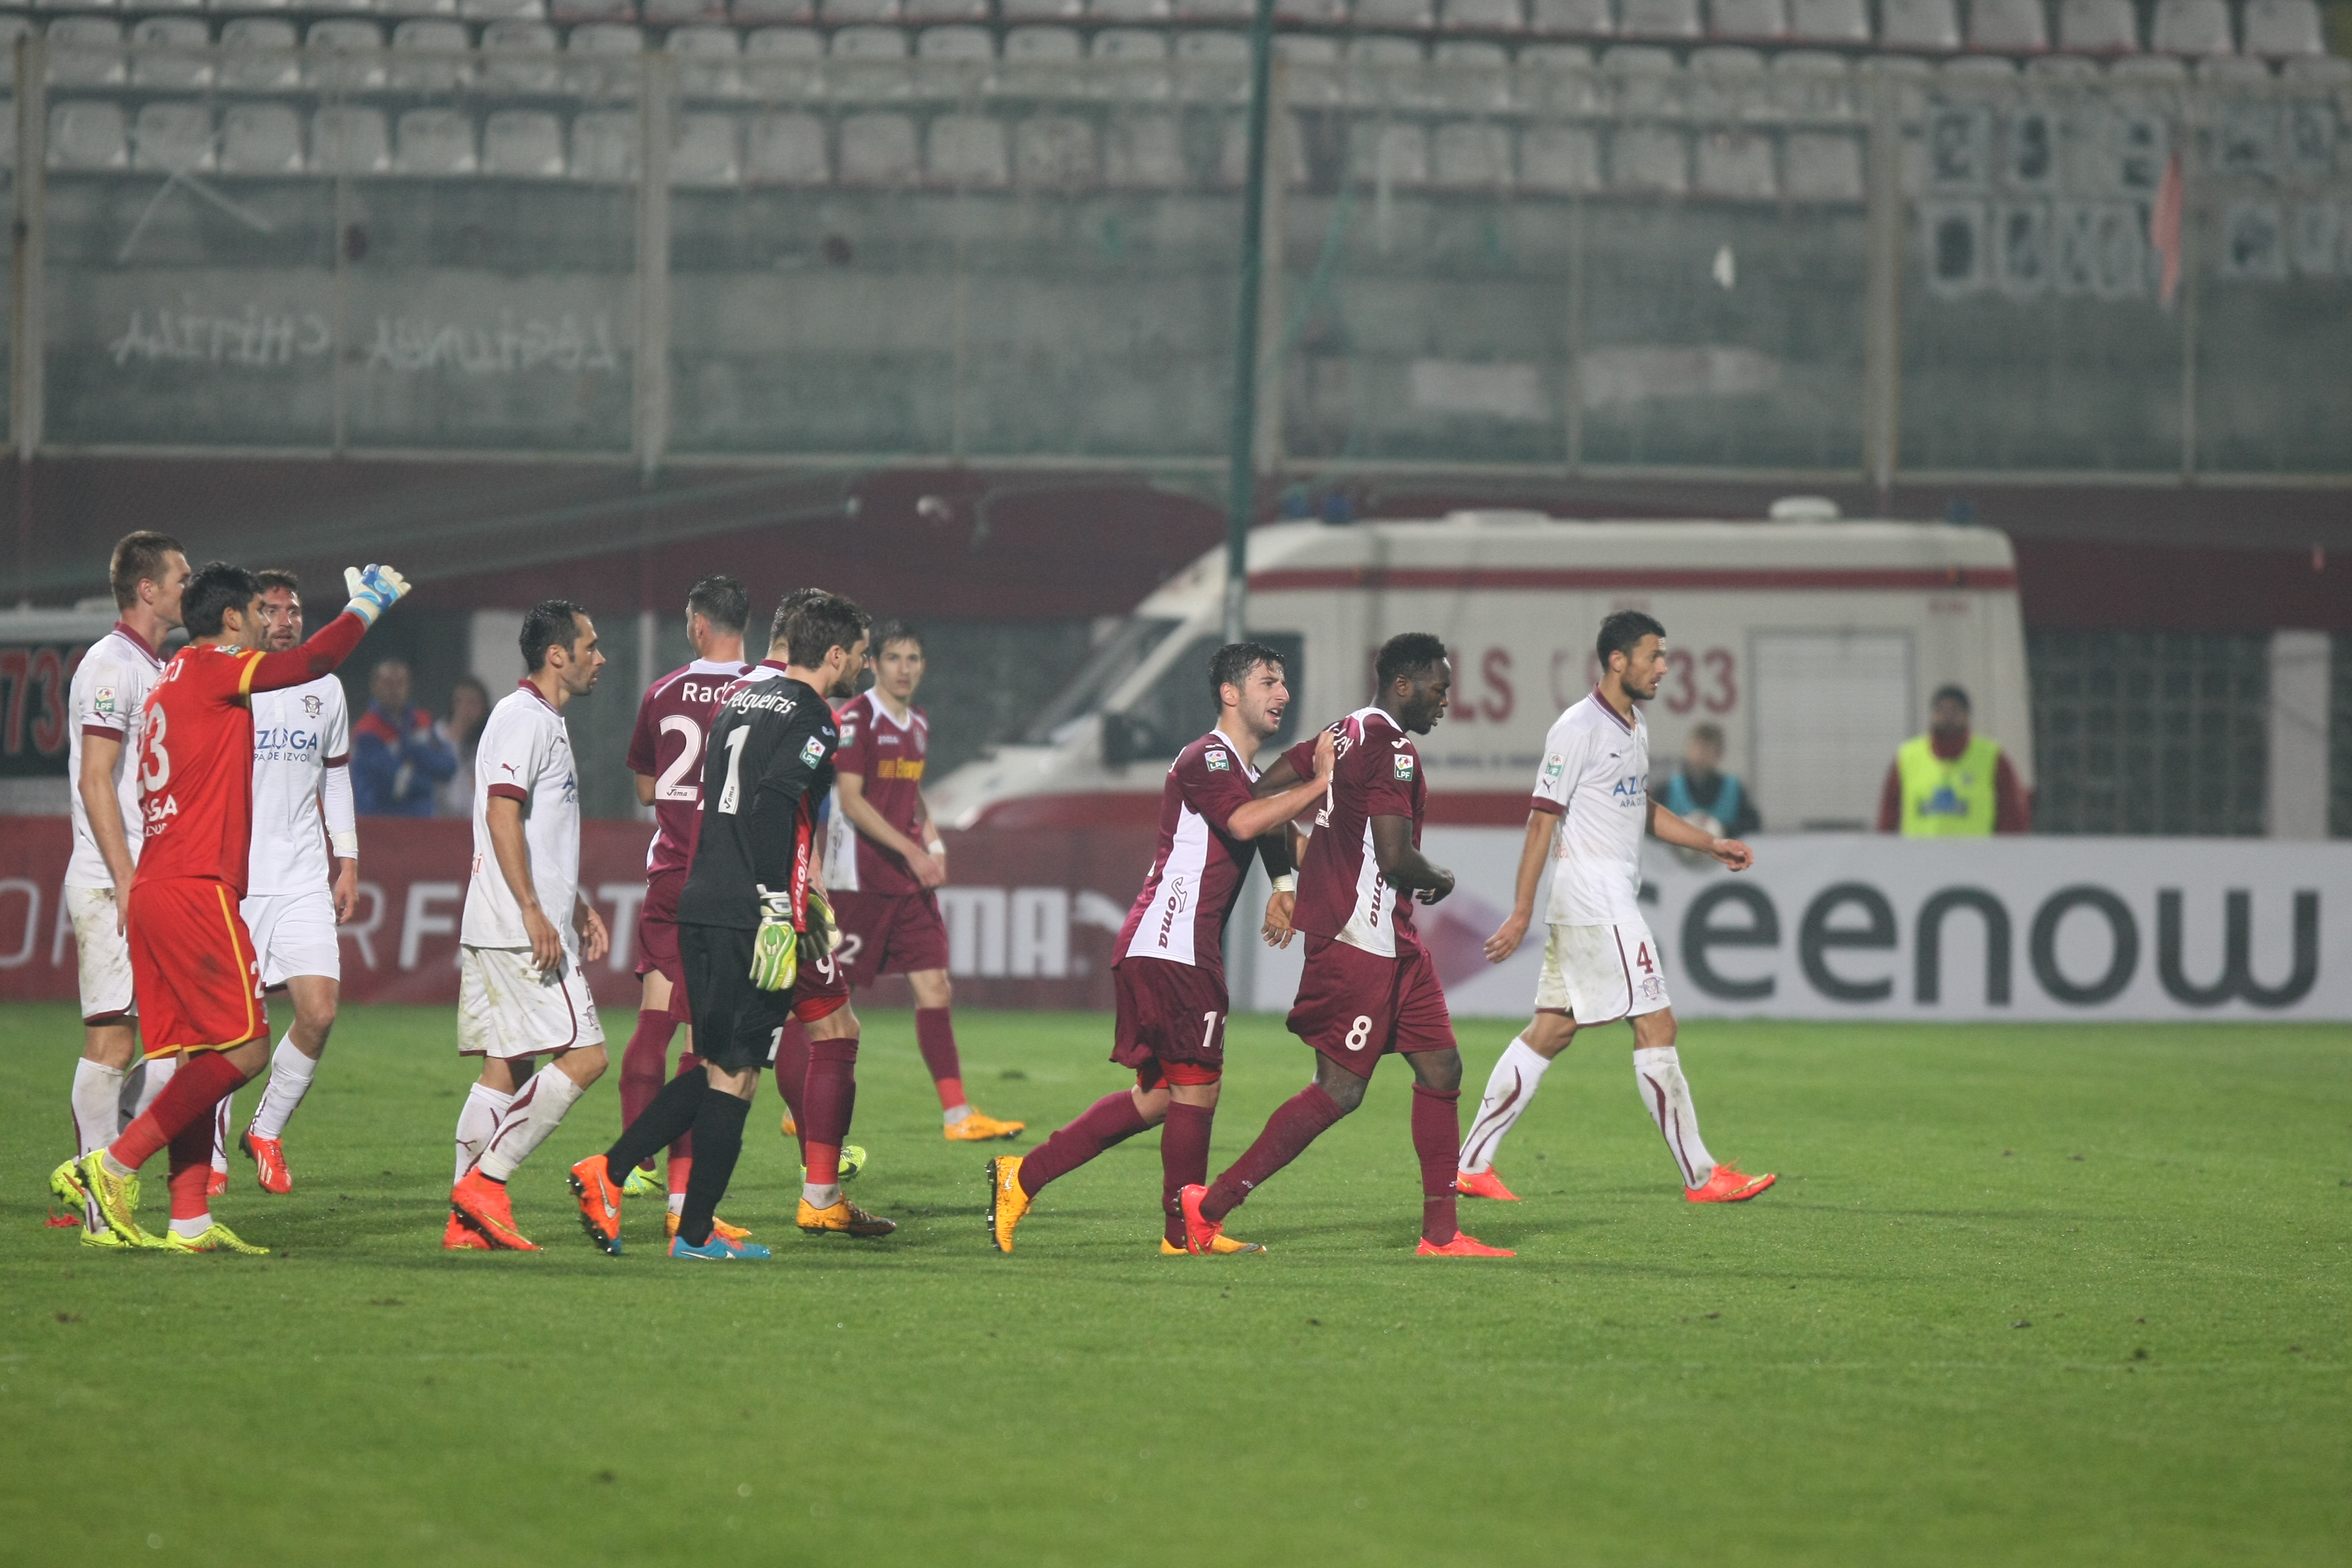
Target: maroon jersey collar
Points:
(1602, 703)
(140, 642)
(525, 685)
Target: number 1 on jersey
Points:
(731, 793)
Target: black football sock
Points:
(657, 1126)
(718, 1140)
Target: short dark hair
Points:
(216, 588)
(820, 623)
(545, 624)
(138, 558)
(893, 631)
(721, 601)
(780, 624)
(278, 577)
(1710, 732)
(1408, 653)
(1621, 630)
(1231, 664)
(1958, 694)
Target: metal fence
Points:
(1800, 265)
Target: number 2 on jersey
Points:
(682, 779)
(732, 793)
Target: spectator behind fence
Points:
(1703, 792)
(399, 761)
(1950, 784)
(469, 709)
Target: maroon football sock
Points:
(1296, 1124)
(831, 1098)
(682, 1152)
(1184, 1159)
(192, 1170)
(791, 1077)
(1111, 1120)
(935, 1038)
(1436, 1138)
(203, 1079)
(644, 1063)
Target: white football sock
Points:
(1509, 1087)
(537, 1110)
(189, 1229)
(145, 1082)
(221, 1139)
(96, 1105)
(478, 1119)
(289, 1081)
(956, 1113)
(677, 1203)
(1659, 1073)
(822, 1198)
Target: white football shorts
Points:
(294, 933)
(101, 954)
(507, 1007)
(1599, 974)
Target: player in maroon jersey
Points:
(883, 858)
(1369, 986)
(191, 960)
(1169, 976)
(666, 755)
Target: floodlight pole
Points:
(1240, 483)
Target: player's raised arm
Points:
(1673, 829)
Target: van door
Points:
(1827, 710)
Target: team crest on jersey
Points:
(102, 699)
(1403, 765)
(813, 752)
(1652, 988)
(1553, 765)
(1218, 762)
(311, 706)
(849, 734)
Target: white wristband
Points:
(935, 846)
(345, 845)
(1286, 883)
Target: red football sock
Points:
(645, 1064)
(1296, 1124)
(192, 1169)
(1110, 1120)
(681, 1154)
(935, 1038)
(1436, 1138)
(203, 1079)
(831, 1098)
(792, 1076)
(1184, 1159)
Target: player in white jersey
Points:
(293, 897)
(1600, 965)
(109, 697)
(527, 932)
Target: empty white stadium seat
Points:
(175, 138)
(961, 152)
(1143, 151)
(1641, 79)
(1381, 50)
(1807, 84)
(2148, 70)
(959, 43)
(1311, 67)
(706, 151)
(1560, 160)
(1762, 21)
(1928, 26)
(348, 140)
(1212, 48)
(2323, 71)
(1737, 165)
(2192, 27)
(2277, 29)
(864, 11)
(783, 44)
(1033, 46)
(523, 145)
(2064, 68)
(606, 40)
(1658, 19)
(1041, 10)
(591, 10)
(171, 52)
(868, 44)
(1129, 10)
(933, 11)
(503, 10)
(1555, 57)
(1395, 154)
(1129, 46)
(2008, 26)
(1571, 19)
(85, 51)
(434, 143)
(1286, 143)
(1330, 11)
(785, 148)
(1213, 10)
(706, 59)
(430, 55)
(346, 56)
(1830, 22)
(1053, 152)
(519, 56)
(87, 135)
(1395, 14)
(260, 54)
(1653, 158)
(604, 146)
(260, 139)
(1482, 15)
(877, 150)
(766, 13)
(1822, 166)
(2098, 27)
(683, 13)
(1471, 155)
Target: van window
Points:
(1113, 663)
(1178, 708)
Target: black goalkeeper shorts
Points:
(735, 1022)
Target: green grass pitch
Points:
(2023, 1295)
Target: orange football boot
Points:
(719, 1228)
(482, 1204)
(600, 1203)
(1464, 1244)
(459, 1237)
(1201, 1233)
(269, 1157)
(217, 1184)
(1483, 1184)
(978, 1129)
(1728, 1185)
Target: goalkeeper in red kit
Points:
(193, 966)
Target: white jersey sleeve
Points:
(107, 699)
(524, 755)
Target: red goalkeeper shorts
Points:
(193, 966)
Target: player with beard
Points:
(755, 941)
(293, 897)
(1600, 965)
(1169, 976)
(1369, 986)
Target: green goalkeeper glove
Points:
(775, 946)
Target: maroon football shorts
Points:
(658, 939)
(889, 933)
(1168, 1011)
(1356, 1006)
(820, 990)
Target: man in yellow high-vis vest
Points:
(1950, 783)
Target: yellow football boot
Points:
(976, 1128)
(1006, 1200)
(219, 1239)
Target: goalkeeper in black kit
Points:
(755, 941)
